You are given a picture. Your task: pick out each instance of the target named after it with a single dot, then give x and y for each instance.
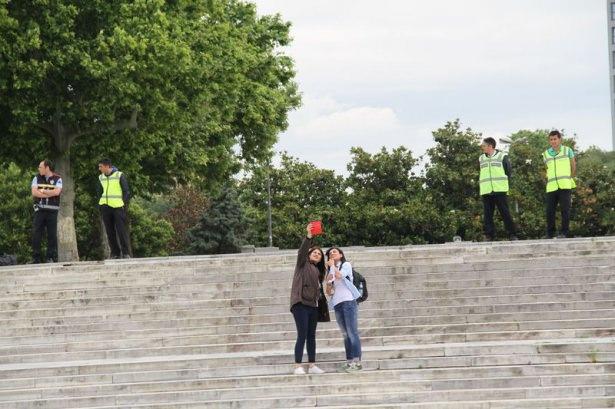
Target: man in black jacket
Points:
(46, 188)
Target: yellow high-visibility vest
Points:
(559, 170)
(112, 190)
(492, 176)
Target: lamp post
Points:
(269, 230)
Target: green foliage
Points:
(187, 205)
(383, 201)
(195, 77)
(166, 89)
(300, 192)
(149, 233)
(388, 204)
(17, 212)
(593, 212)
(451, 177)
(221, 227)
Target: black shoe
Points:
(487, 237)
(513, 237)
(50, 260)
(114, 257)
(36, 261)
(126, 256)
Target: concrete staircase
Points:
(527, 324)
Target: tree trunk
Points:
(67, 237)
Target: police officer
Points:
(561, 169)
(46, 189)
(495, 170)
(114, 198)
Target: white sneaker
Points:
(299, 370)
(315, 370)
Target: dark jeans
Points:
(306, 319)
(347, 317)
(45, 219)
(563, 197)
(116, 225)
(490, 202)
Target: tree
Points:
(17, 212)
(451, 177)
(300, 192)
(593, 213)
(166, 88)
(150, 235)
(187, 205)
(221, 227)
(387, 203)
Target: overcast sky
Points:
(388, 73)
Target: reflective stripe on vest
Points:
(492, 176)
(43, 183)
(112, 190)
(559, 170)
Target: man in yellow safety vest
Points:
(495, 170)
(114, 198)
(561, 169)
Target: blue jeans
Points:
(306, 319)
(347, 317)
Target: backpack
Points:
(359, 282)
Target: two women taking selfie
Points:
(311, 275)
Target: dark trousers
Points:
(306, 319)
(490, 202)
(45, 219)
(116, 225)
(563, 197)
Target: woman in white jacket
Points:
(345, 306)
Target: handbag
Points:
(323, 308)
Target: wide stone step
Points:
(224, 307)
(234, 264)
(140, 267)
(128, 348)
(555, 403)
(559, 354)
(343, 395)
(439, 368)
(272, 322)
(259, 288)
(380, 276)
(386, 381)
(253, 297)
(509, 324)
(256, 315)
(53, 330)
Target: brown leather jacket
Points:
(306, 285)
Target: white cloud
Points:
(324, 130)
(388, 73)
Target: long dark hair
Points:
(321, 264)
(343, 259)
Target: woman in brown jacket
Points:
(304, 295)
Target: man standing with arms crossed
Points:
(114, 197)
(46, 189)
(561, 169)
(495, 170)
